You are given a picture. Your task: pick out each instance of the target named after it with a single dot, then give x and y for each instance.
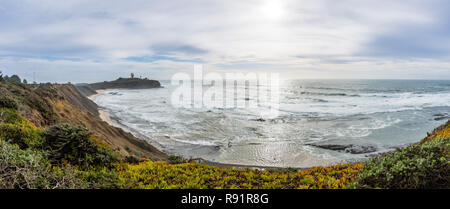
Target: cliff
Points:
(79, 109)
(48, 104)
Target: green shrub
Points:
(75, 145)
(22, 134)
(174, 159)
(7, 101)
(101, 178)
(416, 166)
(8, 115)
(29, 169)
(282, 170)
(15, 129)
(131, 159)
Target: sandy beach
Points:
(104, 115)
(92, 97)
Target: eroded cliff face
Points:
(47, 104)
(75, 107)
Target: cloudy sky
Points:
(86, 40)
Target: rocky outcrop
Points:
(441, 116)
(121, 83)
(348, 148)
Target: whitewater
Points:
(320, 122)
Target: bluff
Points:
(47, 104)
(121, 83)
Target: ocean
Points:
(320, 122)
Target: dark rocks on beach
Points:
(441, 116)
(348, 148)
(260, 120)
(114, 93)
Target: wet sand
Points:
(102, 113)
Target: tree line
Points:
(12, 79)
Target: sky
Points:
(89, 41)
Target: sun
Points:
(273, 10)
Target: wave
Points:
(327, 94)
(334, 115)
(365, 104)
(197, 142)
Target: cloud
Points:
(167, 49)
(156, 58)
(415, 39)
(348, 37)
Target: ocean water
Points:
(320, 122)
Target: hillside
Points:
(48, 104)
(51, 137)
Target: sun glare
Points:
(273, 10)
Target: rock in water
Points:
(348, 148)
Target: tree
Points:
(1, 76)
(132, 75)
(15, 79)
(76, 145)
(25, 81)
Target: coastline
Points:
(105, 116)
(92, 97)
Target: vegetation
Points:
(419, 166)
(14, 95)
(7, 101)
(75, 145)
(160, 175)
(174, 159)
(12, 79)
(27, 168)
(62, 155)
(67, 156)
(17, 130)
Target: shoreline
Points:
(104, 116)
